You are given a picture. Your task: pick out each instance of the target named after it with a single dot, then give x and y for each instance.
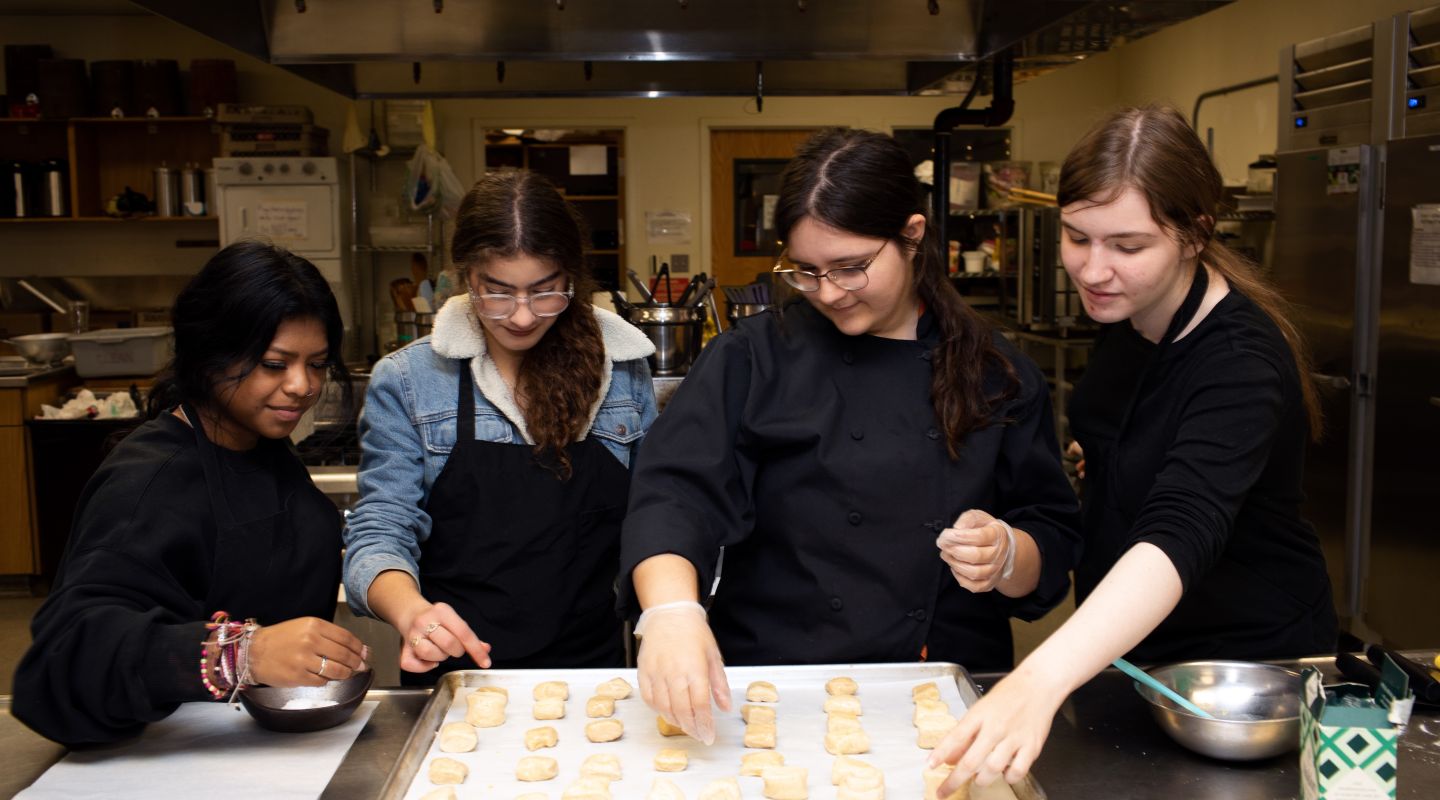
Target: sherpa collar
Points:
(457, 335)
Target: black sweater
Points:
(152, 554)
(816, 460)
(1197, 446)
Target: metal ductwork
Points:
(572, 48)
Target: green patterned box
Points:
(1348, 737)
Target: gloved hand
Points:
(979, 549)
(681, 668)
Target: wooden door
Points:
(726, 147)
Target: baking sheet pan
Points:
(800, 721)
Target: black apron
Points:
(526, 559)
(275, 567)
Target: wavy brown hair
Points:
(1153, 150)
(863, 183)
(518, 213)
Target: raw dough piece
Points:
(925, 691)
(615, 689)
(551, 689)
(532, 796)
(754, 763)
(845, 766)
(664, 789)
(752, 713)
(762, 692)
(786, 783)
(935, 777)
(604, 730)
(536, 738)
(671, 760)
(602, 765)
(847, 703)
(760, 734)
(550, 708)
(443, 793)
(447, 770)
(841, 686)
(485, 709)
(925, 708)
(848, 743)
(722, 789)
(537, 768)
(842, 723)
(458, 737)
(587, 787)
(861, 787)
(600, 707)
(500, 690)
(933, 728)
(666, 729)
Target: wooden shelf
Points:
(602, 252)
(584, 197)
(42, 220)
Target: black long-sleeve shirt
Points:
(816, 460)
(1197, 446)
(117, 642)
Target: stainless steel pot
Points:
(676, 332)
(738, 310)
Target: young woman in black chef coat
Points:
(495, 453)
(842, 453)
(203, 508)
(1193, 416)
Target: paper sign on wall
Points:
(283, 220)
(1344, 170)
(672, 227)
(1425, 243)
(588, 159)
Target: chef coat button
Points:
(836, 604)
(927, 355)
(933, 434)
(848, 358)
(620, 429)
(918, 614)
(854, 517)
(857, 434)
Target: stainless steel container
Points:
(212, 196)
(738, 310)
(192, 192)
(54, 190)
(424, 322)
(167, 192)
(676, 332)
(407, 329)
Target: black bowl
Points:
(267, 704)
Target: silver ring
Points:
(431, 628)
(324, 662)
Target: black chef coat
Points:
(1197, 446)
(117, 642)
(816, 460)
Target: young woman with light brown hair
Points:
(495, 453)
(1193, 415)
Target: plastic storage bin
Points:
(122, 351)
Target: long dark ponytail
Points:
(862, 182)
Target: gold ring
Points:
(324, 662)
(414, 643)
(431, 628)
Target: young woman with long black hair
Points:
(203, 509)
(842, 454)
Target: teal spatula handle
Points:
(1144, 677)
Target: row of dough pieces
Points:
(844, 736)
(854, 780)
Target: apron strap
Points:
(465, 424)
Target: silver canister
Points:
(167, 192)
(212, 196)
(54, 189)
(676, 331)
(192, 192)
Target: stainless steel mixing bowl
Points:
(42, 348)
(1257, 708)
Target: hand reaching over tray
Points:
(681, 668)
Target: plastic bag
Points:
(430, 183)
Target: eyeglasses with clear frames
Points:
(848, 278)
(503, 306)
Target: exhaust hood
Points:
(586, 48)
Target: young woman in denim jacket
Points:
(495, 453)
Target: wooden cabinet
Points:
(19, 543)
(599, 197)
(104, 156)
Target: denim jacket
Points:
(408, 428)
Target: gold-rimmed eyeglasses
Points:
(503, 306)
(850, 278)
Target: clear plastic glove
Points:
(680, 667)
(979, 549)
(1001, 736)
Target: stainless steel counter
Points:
(19, 380)
(1103, 745)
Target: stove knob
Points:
(285, 169)
(269, 168)
(246, 168)
(308, 168)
